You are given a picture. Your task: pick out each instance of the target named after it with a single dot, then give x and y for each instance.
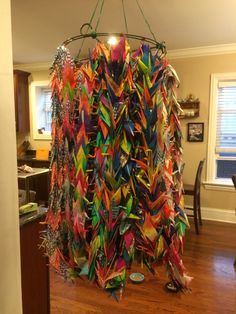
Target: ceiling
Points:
(39, 27)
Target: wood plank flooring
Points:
(208, 257)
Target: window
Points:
(221, 162)
(41, 109)
(44, 111)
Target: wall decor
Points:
(190, 107)
(195, 132)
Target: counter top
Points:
(26, 157)
(30, 155)
(30, 217)
(36, 171)
(29, 158)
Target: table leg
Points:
(27, 190)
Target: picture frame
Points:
(195, 132)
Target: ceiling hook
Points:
(82, 27)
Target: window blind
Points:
(47, 104)
(226, 118)
(47, 99)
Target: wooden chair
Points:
(194, 190)
(234, 182)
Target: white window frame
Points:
(34, 88)
(211, 182)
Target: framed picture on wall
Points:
(195, 132)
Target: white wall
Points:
(10, 278)
(195, 74)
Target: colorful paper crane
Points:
(116, 187)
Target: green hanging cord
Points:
(93, 14)
(126, 25)
(89, 26)
(100, 14)
(146, 20)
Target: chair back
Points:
(234, 180)
(197, 184)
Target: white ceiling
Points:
(38, 27)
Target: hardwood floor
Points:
(208, 257)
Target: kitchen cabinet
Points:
(34, 264)
(40, 184)
(21, 94)
(38, 181)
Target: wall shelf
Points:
(190, 109)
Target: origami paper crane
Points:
(116, 186)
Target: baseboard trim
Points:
(217, 214)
